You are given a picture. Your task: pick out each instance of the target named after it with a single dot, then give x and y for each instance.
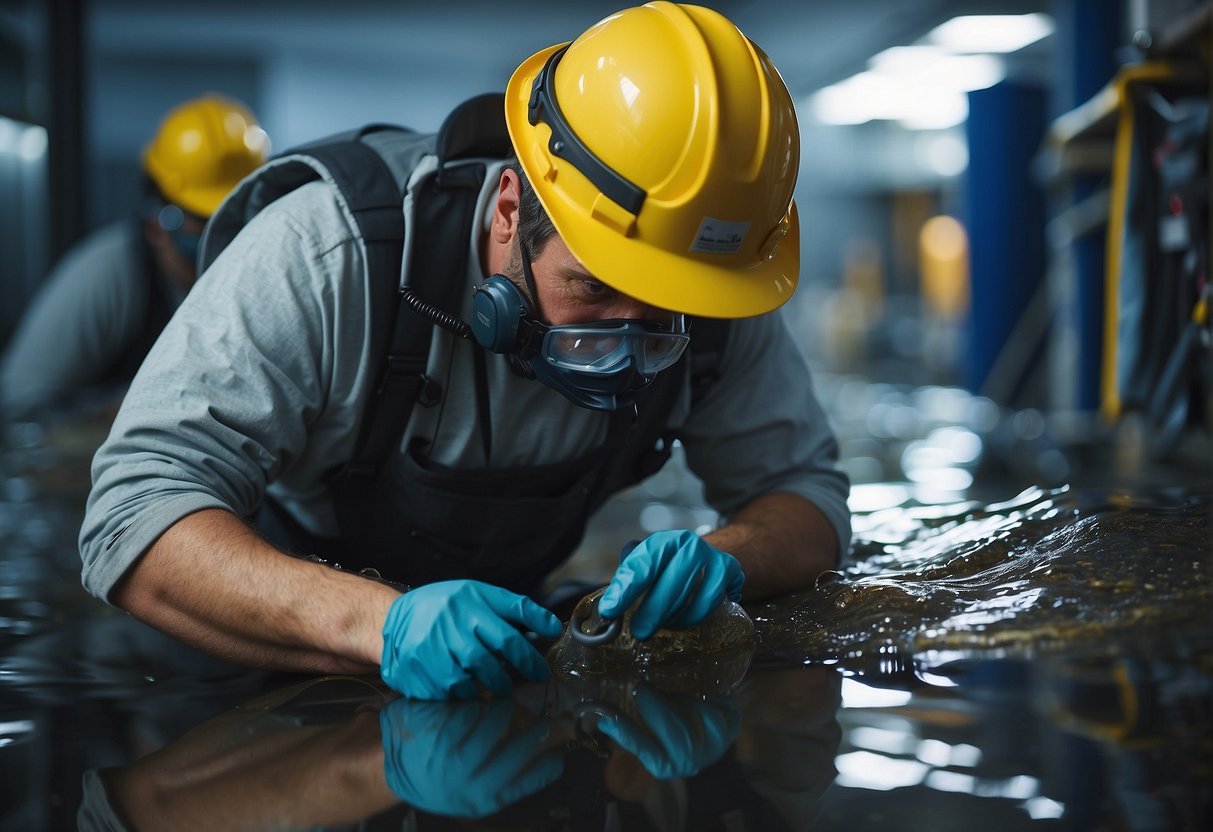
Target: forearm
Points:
(210, 581)
(782, 541)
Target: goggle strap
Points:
(530, 337)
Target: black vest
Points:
(510, 527)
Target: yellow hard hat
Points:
(664, 146)
(202, 149)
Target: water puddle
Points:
(1049, 572)
(1038, 663)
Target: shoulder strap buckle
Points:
(402, 366)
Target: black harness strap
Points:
(708, 339)
(374, 199)
(438, 267)
(444, 214)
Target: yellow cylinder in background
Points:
(943, 264)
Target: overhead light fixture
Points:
(932, 66)
(858, 100)
(991, 32)
(921, 87)
(936, 109)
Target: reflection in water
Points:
(305, 756)
(341, 750)
(465, 759)
(1044, 660)
(1099, 744)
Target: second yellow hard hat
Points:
(202, 149)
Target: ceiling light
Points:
(933, 109)
(991, 32)
(872, 96)
(931, 66)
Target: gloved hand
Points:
(440, 640)
(685, 578)
(461, 759)
(680, 733)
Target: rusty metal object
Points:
(603, 635)
(714, 654)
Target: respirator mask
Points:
(172, 220)
(601, 365)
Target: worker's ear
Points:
(504, 224)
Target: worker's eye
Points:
(594, 289)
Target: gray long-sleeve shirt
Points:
(89, 312)
(258, 383)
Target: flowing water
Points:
(1049, 572)
(1038, 663)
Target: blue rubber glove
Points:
(680, 733)
(684, 576)
(463, 759)
(440, 640)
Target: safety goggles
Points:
(604, 346)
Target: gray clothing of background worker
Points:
(257, 389)
(105, 303)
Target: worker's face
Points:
(569, 294)
(600, 347)
(175, 247)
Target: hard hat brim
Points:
(679, 282)
(201, 202)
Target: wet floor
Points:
(1040, 662)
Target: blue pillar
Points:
(1004, 215)
(1087, 34)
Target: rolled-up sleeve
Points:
(237, 388)
(760, 429)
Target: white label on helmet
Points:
(719, 236)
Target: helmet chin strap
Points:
(517, 362)
(529, 277)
